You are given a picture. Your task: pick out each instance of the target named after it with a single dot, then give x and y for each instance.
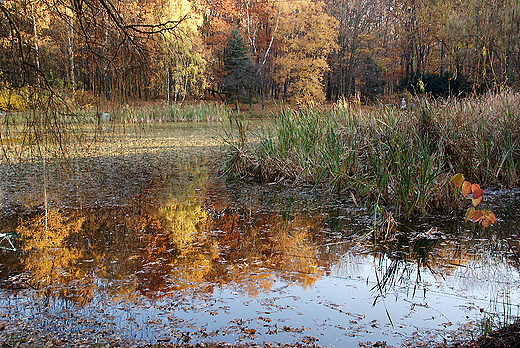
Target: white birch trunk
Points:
(36, 48)
(167, 63)
(70, 38)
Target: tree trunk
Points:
(36, 48)
(70, 38)
(166, 62)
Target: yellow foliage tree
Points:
(184, 61)
(308, 35)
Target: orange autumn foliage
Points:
(484, 217)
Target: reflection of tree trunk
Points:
(40, 132)
(77, 177)
(45, 190)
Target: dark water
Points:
(148, 243)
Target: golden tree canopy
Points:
(308, 34)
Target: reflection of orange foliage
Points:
(178, 253)
(49, 259)
(180, 249)
(184, 256)
(157, 253)
(250, 248)
(449, 256)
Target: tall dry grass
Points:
(405, 158)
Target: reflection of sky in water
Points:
(337, 310)
(341, 308)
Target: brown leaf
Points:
(488, 218)
(477, 215)
(466, 188)
(477, 191)
(458, 179)
(469, 213)
(476, 201)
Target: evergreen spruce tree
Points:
(240, 78)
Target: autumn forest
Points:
(290, 50)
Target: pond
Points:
(147, 243)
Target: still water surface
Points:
(145, 241)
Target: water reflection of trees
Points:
(412, 259)
(190, 244)
(175, 249)
(47, 259)
(246, 252)
(264, 247)
(403, 262)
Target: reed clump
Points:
(404, 158)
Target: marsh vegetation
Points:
(403, 159)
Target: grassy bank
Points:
(53, 130)
(404, 158)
